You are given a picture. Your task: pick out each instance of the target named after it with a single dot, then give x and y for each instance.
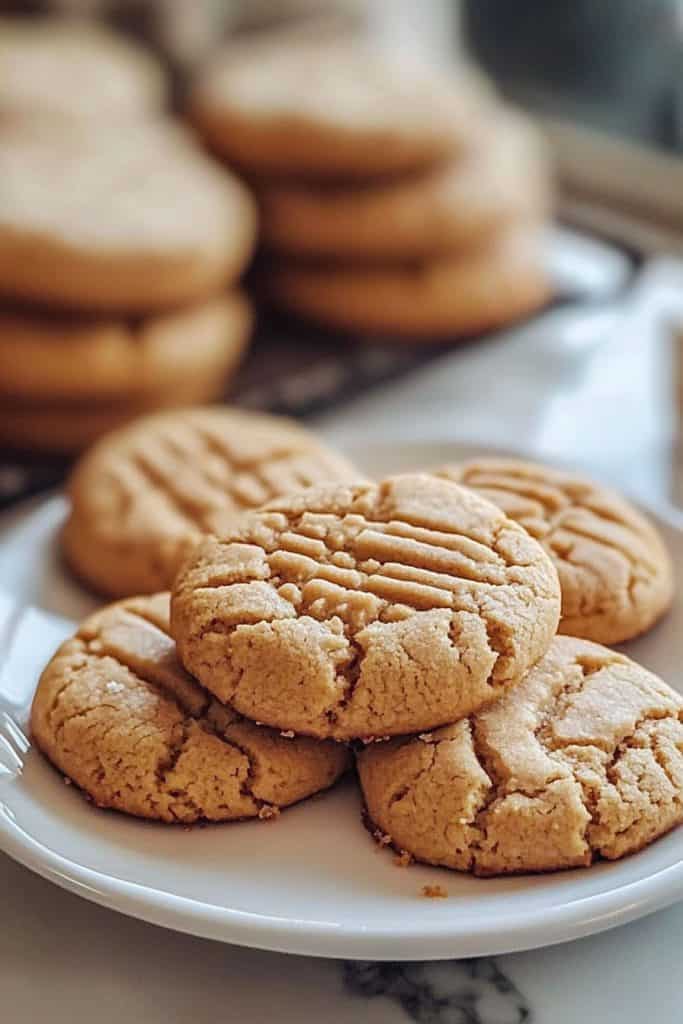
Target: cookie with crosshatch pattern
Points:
(358, 611)
(145, 495)
(615, 572)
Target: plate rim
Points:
(576, 919)
(514, 931)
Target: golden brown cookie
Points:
(583, 760)
(132, 221)
(116, 713)
(333, 110)
(55, 68)
(502, 177)
(615, 573)
(63, 357)
(68, 427)
(367, 610)
(60, 429)
(144, 496)
(436, 300)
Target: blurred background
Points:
(588, 370)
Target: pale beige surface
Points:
(615, 573)
(437, 299)
(582, 760)
(55, 357)
(133, 220)
(503, 175)
(143, 496)
(333, 110)
(53, 68)
(116, 713)
(368, 610)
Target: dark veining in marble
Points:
(442, 992)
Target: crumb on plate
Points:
(434, 892)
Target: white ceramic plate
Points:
(313, 882)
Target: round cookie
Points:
(54, 68)
(60, 429)
(437, 300)
(333, 111)
(502, 177)
(54, 357)
(365, 611)
(583, 760)
(66, 428)
(115, 712)
(144, 496)
(141, 221)
(615, 573)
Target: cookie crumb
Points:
(381, 838)
(268, 812)
(403, 859)
(426, 737)
(434, 892)
(288, 734)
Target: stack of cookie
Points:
(155, 743)
(394, 200)
(118, 238)
(412, 620)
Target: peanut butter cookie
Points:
(144, 496)
(68, 427)
(582, 760)
(333, 110)
(368, 610)
(93, 359)
(56, 68)
(129, 221)
(116, 713)
(615, 573)
(502, 177)
(437, 299)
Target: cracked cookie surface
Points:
(116, 712)
(582, 760)
(367, 610)
(615, 573)
(143, 497)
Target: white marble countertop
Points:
(598, 392)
